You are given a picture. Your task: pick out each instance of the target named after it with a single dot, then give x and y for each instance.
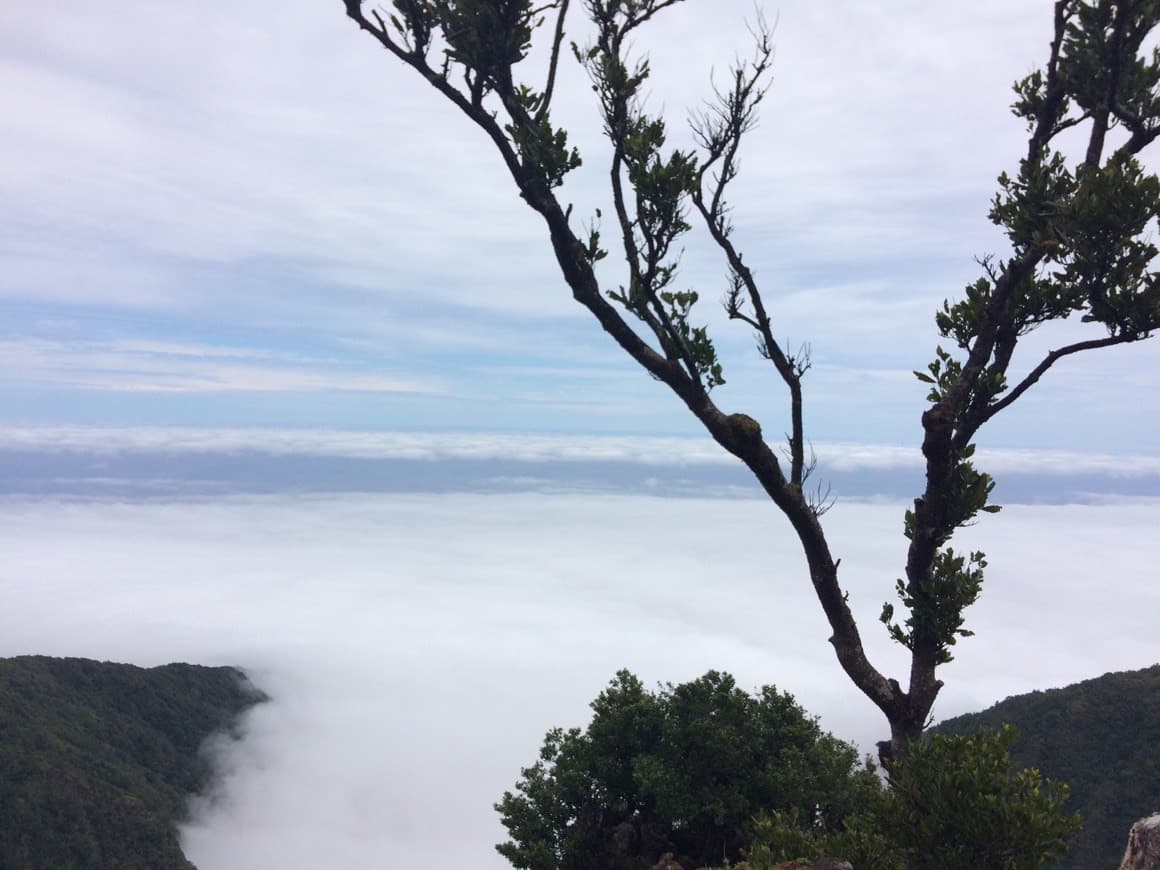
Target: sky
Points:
(215, 215)
(288, 381)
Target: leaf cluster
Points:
(957, 803)
(1099, 736)
(488, 37)
(541, 145)
(935, 608)
(684, 770)
(482, 41)
(936, 600)
(783, 837)
(651, 188)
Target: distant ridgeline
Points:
(97, 759)
(1102, 737)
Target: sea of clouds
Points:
(417, 645)
(176, 462)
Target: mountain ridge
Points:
(1100, 736)
(98, 759)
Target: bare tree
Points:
(1078, 236)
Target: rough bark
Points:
(1143, 852)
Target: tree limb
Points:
(1051, 359)
(553, 64)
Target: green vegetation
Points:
(710, 774)
(97, 759)
(1101, 737)
(954, 803)
(683, 770)
(781, 838)
(957, 803)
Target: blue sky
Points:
(217, 215)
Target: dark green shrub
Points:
(956, 803)
(686, 769)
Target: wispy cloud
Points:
(243, 143)
(143, 366)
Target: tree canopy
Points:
(708, 774)
(99, 759)
(685, 770)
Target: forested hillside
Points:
(97, 759)
(1099, 736)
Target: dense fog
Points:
(418, 646)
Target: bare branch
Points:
(822, 499)
(1069, 123)
(719, 129)
(553, 64)
(652, 7)
(1102, 113)
(720, 126)
(1051, 359)
(1137, 142)
(1054, 93)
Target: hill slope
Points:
(1099, 736)
(97, 759)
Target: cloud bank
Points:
(418, 647)
(530, 448)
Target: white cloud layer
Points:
(531, 448)
(417, 648)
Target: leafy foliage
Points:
(684, 770)
(1100, 736)
(97, 759)
(956, 803)
(711, 774)
(782, 837)
(936, 608)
